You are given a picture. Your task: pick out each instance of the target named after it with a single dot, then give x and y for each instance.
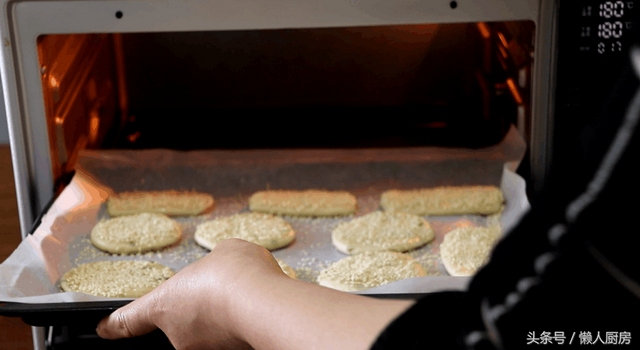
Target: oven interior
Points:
(451, 85)
(446, 85)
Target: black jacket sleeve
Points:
(567, 273)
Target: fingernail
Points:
(100, 328)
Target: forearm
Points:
(290, 314)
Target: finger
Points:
(131, 320)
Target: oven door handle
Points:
(61, 314)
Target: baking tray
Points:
(29, 278)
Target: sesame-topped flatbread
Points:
(115, 279)
(266, 230)
(378, 231)
(304, 203)
(172, 203)
(135, 233)
(461, 200)
(368, 270)
(465, 249)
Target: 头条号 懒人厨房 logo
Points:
(582, 338)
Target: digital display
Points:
(606, 26)
(611, 9)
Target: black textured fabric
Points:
(574, 294)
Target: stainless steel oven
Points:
(297, 75)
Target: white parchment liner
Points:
(31, 274)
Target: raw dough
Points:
(266, 230)
(368, 270)
(286, 269)
(171, 203)
(461, 200)
(378, 231)
(115, 279)
(135, 233)
(304, 203)
(465, 249)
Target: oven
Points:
(350, 78)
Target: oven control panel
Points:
(594, 79)
(594, 38)
(605, 27)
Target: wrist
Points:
(247, 300)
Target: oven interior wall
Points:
(80, 75)
(459, 85)
(336, 87)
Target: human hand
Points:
(193, 308)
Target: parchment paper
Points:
(31, 274)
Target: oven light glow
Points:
(133, 137)
(53, 82)
(484, 30)
(94, 123)
(503, 52)
(514, 91)
(503, 39)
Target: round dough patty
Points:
(288, 270)
(304, 203)
(135, 233)
(368, 270)
(266, 230)
(379, 231)
(115, 279)
(465, 249)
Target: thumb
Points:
(131, 320)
